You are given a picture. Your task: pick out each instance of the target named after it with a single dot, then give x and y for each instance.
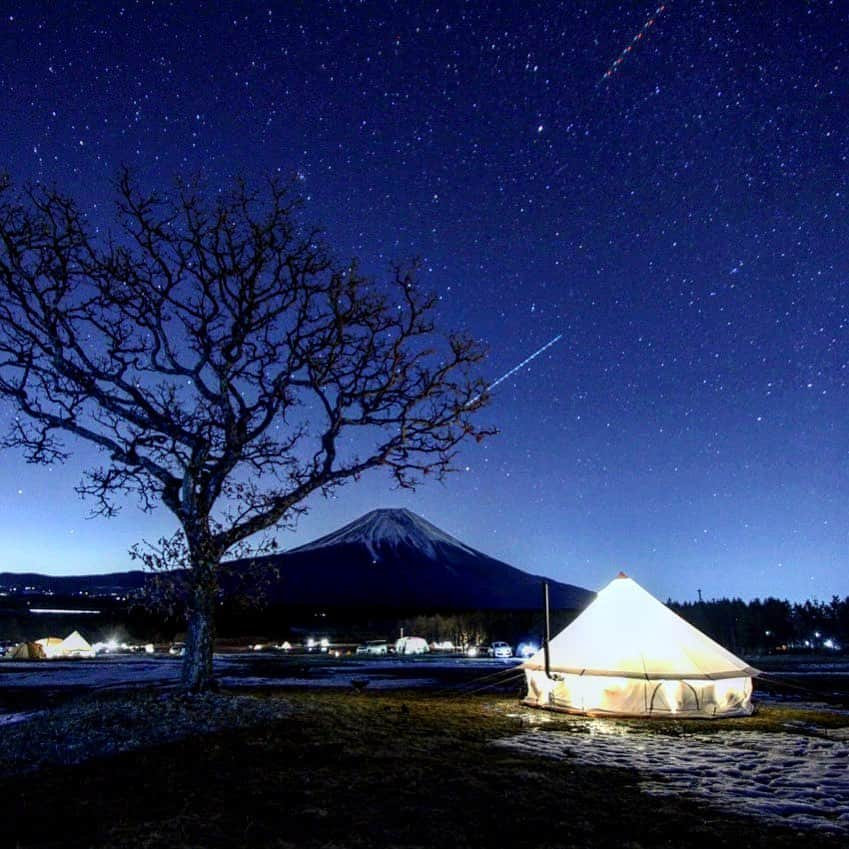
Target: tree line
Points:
(760, 626)
(771, 624)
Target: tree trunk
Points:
(200, 635)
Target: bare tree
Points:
(227, 367)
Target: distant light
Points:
(61, 610)
(527, 649)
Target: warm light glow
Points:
(629, 654)
(672, 694)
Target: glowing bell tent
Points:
(76, 645)
(628, 654)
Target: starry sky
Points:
(683, 224)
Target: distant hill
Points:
(108, 584)
(397, 559)
(385, 559)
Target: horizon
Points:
(575, 582)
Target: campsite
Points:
(379, 743)
(424, 425)
(431, 748)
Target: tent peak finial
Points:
(621, 575)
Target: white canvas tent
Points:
(75, 645)
(27, 651)
(411, 645)
(50, 646)
(628, 654)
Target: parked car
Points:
(500, 649)
(373, 647)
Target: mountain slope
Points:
(391, 559)
(395, 558)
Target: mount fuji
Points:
(386, 559)
(396, 559)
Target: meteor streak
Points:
(634, 41)
(584, 113)
(518, 367)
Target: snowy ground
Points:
(799, 777)
(800, 780)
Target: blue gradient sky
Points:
(684, 226)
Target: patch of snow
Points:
(788, 779)
(390, 528)
(14, 718)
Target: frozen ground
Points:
(96, 674)
(243, 671)
(799, 777)
(800, 780)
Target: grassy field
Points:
(369, 770)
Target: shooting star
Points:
(612, 69)
(634, 41)
(521, 365)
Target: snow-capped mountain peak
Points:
(390, 529)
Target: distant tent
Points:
(629, 655)
(50, 646)
(75, 645)
(27, 651)
(411, 645)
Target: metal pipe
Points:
(547, 639)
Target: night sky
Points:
(683, 224)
